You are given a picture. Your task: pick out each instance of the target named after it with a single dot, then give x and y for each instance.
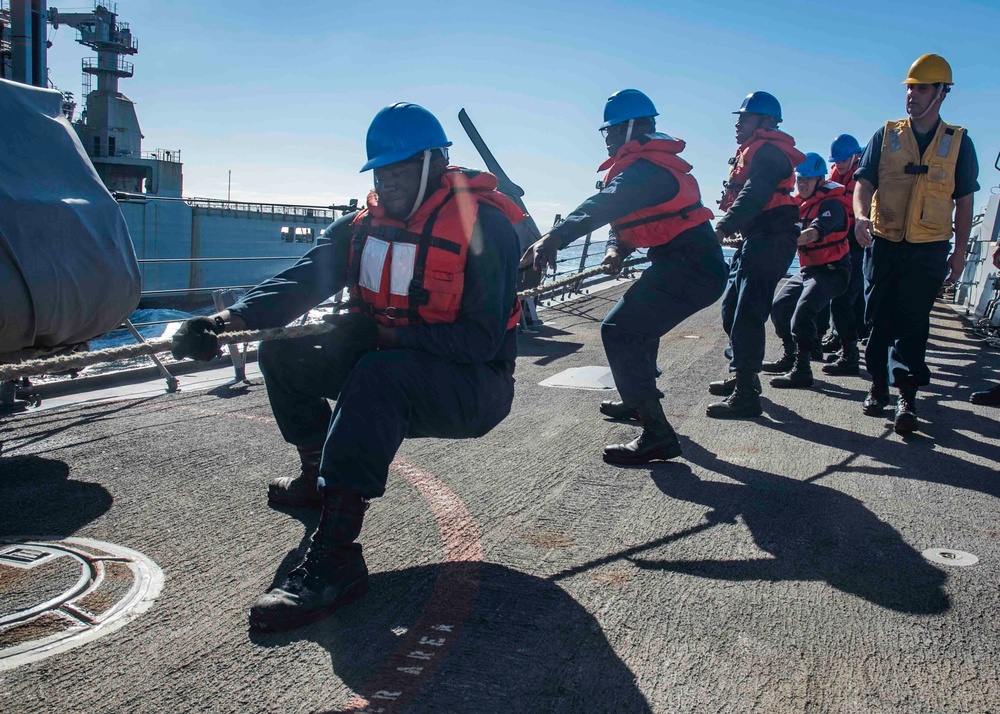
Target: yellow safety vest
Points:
(913, 201)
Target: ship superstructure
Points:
(185, 246)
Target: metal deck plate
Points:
(58, 594)
(581, 378)
(948, 556)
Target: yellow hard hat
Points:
(929, 69)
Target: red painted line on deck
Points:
(425, 645)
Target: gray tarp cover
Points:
(67, 266)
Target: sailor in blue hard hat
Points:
(847, 311)
(431, 266)
(759, 208)
(824, 272)
(651, 200)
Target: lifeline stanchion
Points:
(85, 359)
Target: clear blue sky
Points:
(282, 93)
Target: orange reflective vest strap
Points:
(913, 200)
(659, 224)
(413, 272)
(833, 246)
(740, 164)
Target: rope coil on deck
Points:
(67, 363)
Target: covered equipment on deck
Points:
(68, 271)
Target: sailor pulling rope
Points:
(85, 359)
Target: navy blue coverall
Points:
(762, 259)
(450, 381)
(902, 279)
(684, 276)
(812, 288)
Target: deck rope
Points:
(75, 361)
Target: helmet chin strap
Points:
(424, 171)
(937, 95)
(628, 134)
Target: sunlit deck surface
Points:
(776, 567)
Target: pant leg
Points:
(393, 394)
(843, 307)
(784, 304)
(823, 319)
(732, 290)
(675, 286)
(923, 270)
(881, 276)
(300, 375)
(764, 262)
(821, 283)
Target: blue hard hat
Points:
(627, 104)
(399, 131)
(814, 166)
(844, 147)
(760, 103)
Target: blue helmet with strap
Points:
(760, 103)
(627, 104)
(399, 131)
(813, 167)
(844, 147)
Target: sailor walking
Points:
(915, 175)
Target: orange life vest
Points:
(663, 222)
(413, 272)
(833, 246)
(740, 168)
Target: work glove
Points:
(197, 338)
(353, 329)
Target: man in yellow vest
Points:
(915, 174)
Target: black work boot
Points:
(725, 387)
(989, 398)
(619, 410)
(301, 491)
(783, 363)
(905, 420)
(848, 361)
(743, 402)
(800, 375)
(831, 343)
(332, 574)
(657, 442)
(878, 397)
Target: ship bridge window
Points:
(111, 146)
(287, 234)
(97, 146)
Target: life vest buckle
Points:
(912, 168)
(417, 294)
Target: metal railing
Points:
(171, 155)
(122, 67)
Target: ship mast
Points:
(109, 127)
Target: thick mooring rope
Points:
(70, 362)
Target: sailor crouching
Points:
(428, 348)
(652, 201)
(824, 272)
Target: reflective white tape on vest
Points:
(372, 263)
(404, 257)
